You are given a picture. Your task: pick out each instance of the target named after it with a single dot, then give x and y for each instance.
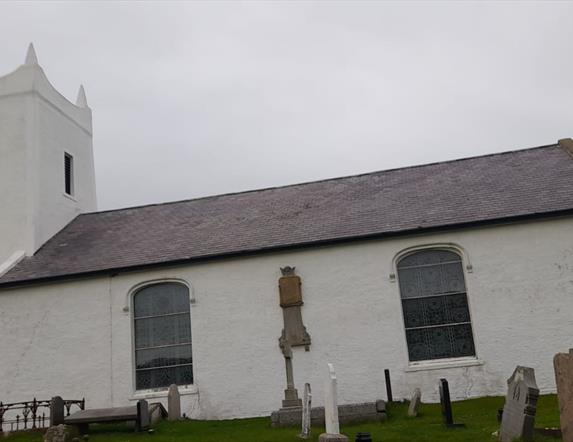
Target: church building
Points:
(460, 270)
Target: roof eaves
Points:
(113, 271)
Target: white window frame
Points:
(467, 267)
(159, 391)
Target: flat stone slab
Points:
(138, 413)
(102, 415)
(347, 414)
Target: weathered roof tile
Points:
(481, 189)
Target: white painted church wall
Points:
(37, 125)
(13, 172)
(75, 338)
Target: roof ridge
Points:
(263, 189)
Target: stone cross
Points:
(306, 407)
(331, 410)
(518, 417)
(563, 364)
(173, 403)
(415, 403)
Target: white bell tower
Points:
(47, 172)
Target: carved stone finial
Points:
(287, 271)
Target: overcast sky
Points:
(200, 98)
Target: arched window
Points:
(435, 305)
(162, 336)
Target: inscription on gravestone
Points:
(563, 365)
(518, 417)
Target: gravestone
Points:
(446, 403)
(173, 403)
(518, 417)
(331, 410)
(56, 411)
(415, 403)
(388, 385)
(306, 409)
(563, 365)
(143, 419)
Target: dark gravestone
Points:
(142, 422)
(388, 385)
(56, 411)
(446, 403)
(518, 417)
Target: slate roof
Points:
(491, 188)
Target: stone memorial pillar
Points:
(331, 410)
(306, 407)
(518, 417)
(294, 332)
(291, 394)
(563, 364)
(173, 403)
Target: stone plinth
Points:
(347, 414)
(325, 437)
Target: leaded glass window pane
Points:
(162, 336)
(435, 306)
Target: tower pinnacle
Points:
(31, 57)
(82, 101)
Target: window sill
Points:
(70, 197)
(153, 394)
(443, 363)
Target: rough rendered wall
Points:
(55, 341)
(520, 293)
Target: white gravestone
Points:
(306, 407)
(331, 410)
(415, 403)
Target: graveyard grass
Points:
(479, 415)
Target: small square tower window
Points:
(68, 174)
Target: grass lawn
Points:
(479, 415)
